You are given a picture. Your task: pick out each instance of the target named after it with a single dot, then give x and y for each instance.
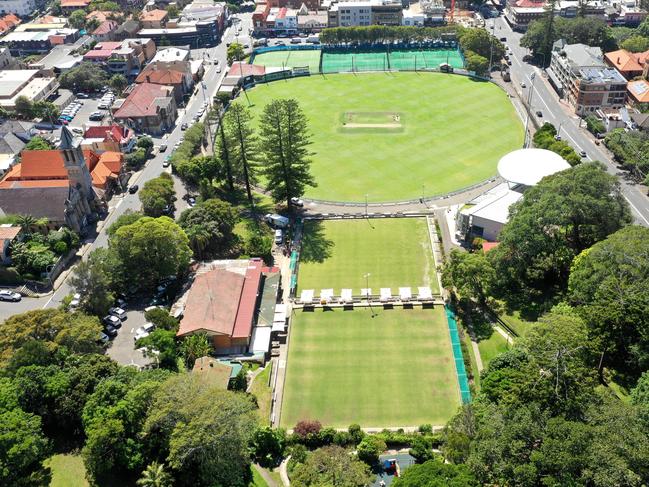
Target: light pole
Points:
(367, 290)
(529, 107)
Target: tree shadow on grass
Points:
(316, 247)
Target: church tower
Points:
(75, 164)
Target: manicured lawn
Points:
(67, 471)
(290, 59)
(338, 253)
(395, 369)
(453, 132)
(492, 347)
(263, 392)
(257, 479)
(516, 323)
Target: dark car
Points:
(111, 331)
(133, 189)
(184, 126)
(539, 113)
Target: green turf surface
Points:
(454, 131)
(338, 253)
(425, 59)
(492, 347)
(291, 59)
(345, 367)
(338, 62)
(67, 471)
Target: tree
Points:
(173, 11)
(558, 218)
(435, 473)
(157, 195)
(46, 110)
(609, 285)
(150, 249)
(268, 446)
(32, 257)
(194, 347)
(38, 143)
(595, 125)
(210, 227)
(28, 223)
(24, 107)
(284, 142)
(470, 273)
(235, 52)
(126, 218)
(162, 319)
(155, 475)
(92, 282)
(369, 449)
(202, 431)
(161, 346)
(244, 145)
(422, 449)
(85, 77)
(331, 465)
(477, 64)
(23, 448)
(77, 19)
(640, 396)
(482, 43)
(636, 43)
(118, 82)
(146, 143)
(137, 158)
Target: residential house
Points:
(127, 30)
(63, 57)
(311, 21)
(149, 108)
(629, 64)
(125, 57)
(109, 138)
(106, 31)
(638, 92)
(6, 59)
(177, 74)
(24, 82)
(22, 8)
(580, 75)
(570, 9)
(69, 6)
(154, 19)
(100, 15)
(8, 235)
(312, 5)
(8, 22)
(56, 184)
(365, 12)
(170, 54)
(640, 121)
(10, 147)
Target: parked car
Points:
(6, 295)
(276, 220)
(191, 201)
(297, 202)
(539, 113)
(111, 331)
(582, 153)
(76, 301)
(118, 312)
(97, 116)
(166, 162)
(77, 130)
(184, 126)
(133, 189)
(279, 236)
(103, 337)
(113, 321)
(143, 331)
(523, 85)
(82, 95)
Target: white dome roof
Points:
(529, 166)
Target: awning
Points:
(425, 294)
(306, 296)
(386, 294)
(260, 341)
(346, 296)
(366, 292)
(326, 295)
(405, 293)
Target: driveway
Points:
(122, 347)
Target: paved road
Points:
(121, 203)
(545, 99)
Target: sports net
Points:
(338, 62)
(412, 60)
(290, 59)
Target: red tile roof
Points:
(141, 102)
(623, 61)
(75, 3)
(160, 76)
(105, 27)
(153, 15)
(9, 233)
(487, 246)
(115, 132)
(223, 302)
(9, 21)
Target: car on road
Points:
(166, 162)
(143, 331)
(539, 113)
(118, 312)
(583, 154)
(503, 39)
(6, 295)
(557, 138)
(110, 320)
(523, 85)
(133, 189)
(297, 202)
(163, 147)
(111, 331)
(184, 126)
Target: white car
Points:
(143, 331)
(119, 312)
(9, 296)
(76, 301)
(297, 202)
(113, 321)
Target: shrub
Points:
(306, 427)
(326, 436)
(268, 446)
(370, 448)
(60, 247)
(356, 433)
(425, 429)
(422, 449)
(161, 319)
(342, 438)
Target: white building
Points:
(413, 18)
(351, 14)
(485, 215)
(170, 54)
(24, 82)
(22, 8)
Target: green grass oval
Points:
(453, 130)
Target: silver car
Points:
(9, 296)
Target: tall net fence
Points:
(339, 62)
(414, 60)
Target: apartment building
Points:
(365, 12)
(580, 75)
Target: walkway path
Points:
(266, 476)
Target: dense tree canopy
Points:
(436, 473)
(85, 77)
(331, 465)
(558, 218)
(157, 194)
(210, 228)
(609, 285)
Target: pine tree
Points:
(244, 145)
(284, 142)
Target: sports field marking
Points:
(338, 254)
(393, 369)
(453, 132)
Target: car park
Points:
(118, 312)
(133, 189)
(113, 321)
(6, 295)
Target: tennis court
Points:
(290, 59)
(343, 62)
(425, 59)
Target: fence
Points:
(463, 381)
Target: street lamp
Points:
(367, 291)
(529, 106)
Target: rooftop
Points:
(639, 90)
(623, 60)
(155, 15)
(171, 54)
(529, 166)
(144, 100)
(582, 55)
(601, 75)
(13, 80)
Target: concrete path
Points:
(506, 336)
(476, 352)
(283, 472)
(264, 473)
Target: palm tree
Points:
(27, 222)
(155, 476)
